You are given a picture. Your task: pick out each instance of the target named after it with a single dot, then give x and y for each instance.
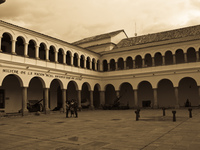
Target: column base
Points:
(177, 106)
(47, 111)
(62, 110)
(155, 107)
(13, 53)
(25, 112)
(91, 107)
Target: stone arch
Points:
(35, 89)
(188, 89)
(97, 65)
(129, 62)
(6, 42)
(93, 64)
(42, 51)
(85, 95)
(191, 55)
(168, 58)
(138, 61)
(60, 55)
(110, 94)
(148, 60)
(179, 56)
(165, 94)
(72, 90)
(158, 59)
(55, 95)
(82, 61)
(31, 49)
(52, 53)
(127, 95)
(112, 65)
(11, 90)
(96, 96)
(88, 62)
(68, 57)
(75, 60)
(145, 94)
(120, 63)
(105, 65)
(19, 46)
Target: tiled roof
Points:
(161, 36)
(97, 37)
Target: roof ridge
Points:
(97, 37)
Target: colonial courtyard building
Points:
(154, 70)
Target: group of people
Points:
(71, 106)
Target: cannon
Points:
(116, 105)
(35, 105)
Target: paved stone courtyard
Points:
(102, 130)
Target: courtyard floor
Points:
(102, 130)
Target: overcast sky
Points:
(72, 20)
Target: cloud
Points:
(72, 20)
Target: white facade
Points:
(34, 66)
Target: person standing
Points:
(74, 104)
(67, 108)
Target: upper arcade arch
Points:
(19, 46)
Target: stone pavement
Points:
(102, 130)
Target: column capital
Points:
(13, 40)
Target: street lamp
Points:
(2, 1)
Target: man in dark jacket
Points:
(74, 105)
(67, 108)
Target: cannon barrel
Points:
(38, 102)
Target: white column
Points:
(24, 101)
(185, 57)
(116, 66)
(100, 66)
(124, 64)
(102, 98)
(78, 62)
(163, 60)
(174, 59)
(47, 54)
(13, 47)
(136, 98)
(37, 52)
(117, 93)
(143, 63)
(26, 49)
(85, 62)
(64, 59)
(153, 61)
(91, 100)
(72, 60)
(95, 65)
(133, 64)
(56, 57)
(64, 100)
(197, 56)
(108, 66)
(79, 98)
(155, 105)
(90, 65)
(176, 96)
(46, 100)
